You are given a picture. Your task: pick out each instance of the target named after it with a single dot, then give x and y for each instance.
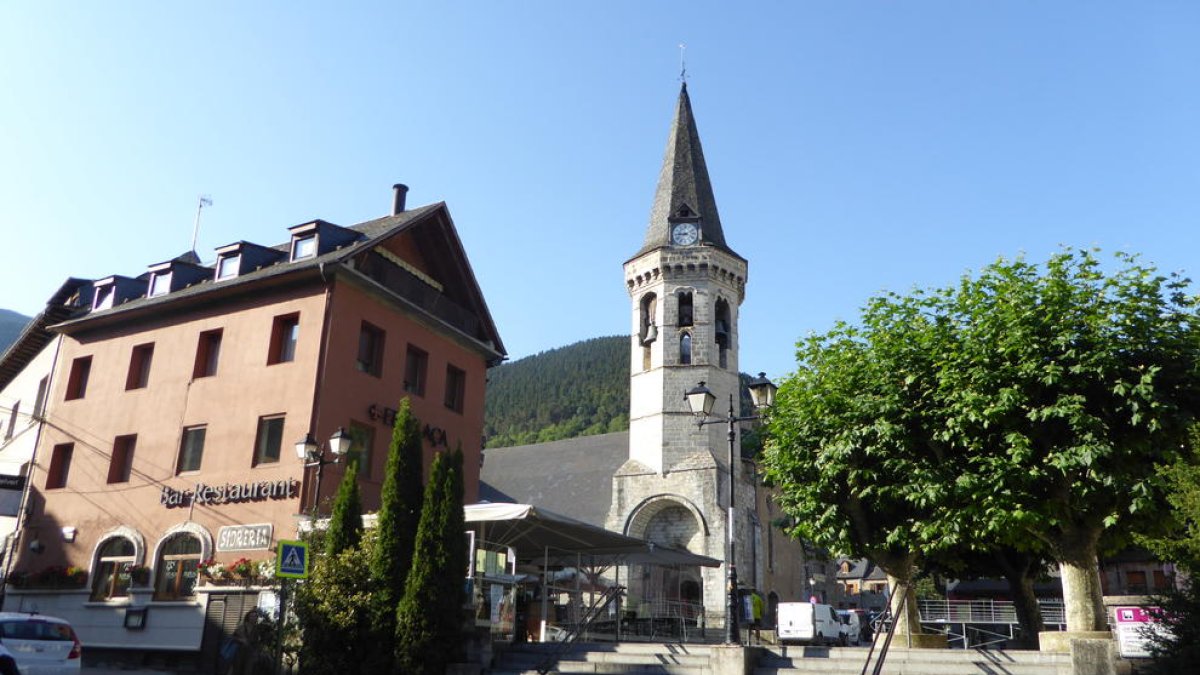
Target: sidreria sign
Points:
(229, 493)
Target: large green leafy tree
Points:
(428, 618)
(850, 447)
(1066, 384)
(399, 515)
(1039, 400)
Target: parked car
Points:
(41, 645)
(810, 622)
(851, 627)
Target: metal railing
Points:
(598, 607)
(665, 618)
(985, 611)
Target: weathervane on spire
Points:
(682, 63)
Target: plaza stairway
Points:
(796, 660)
(623, 658)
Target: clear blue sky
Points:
(854, 146)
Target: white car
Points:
(41, 645)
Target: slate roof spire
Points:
(684, 190)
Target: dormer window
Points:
(160, 284)
(227, 266)
(304, 246)
(104, 297)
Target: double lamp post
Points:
(312, 454)
(701, 402)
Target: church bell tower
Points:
(685, 287)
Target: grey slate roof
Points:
(371, 233)
(36, 334)
(683, 183)
(572, 477)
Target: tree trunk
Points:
(1081, 581)
(908, 620)
(899, 570)
(1020, 571)
(1029, 613)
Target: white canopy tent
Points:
(537, 534)
(549, 540)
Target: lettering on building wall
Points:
(229, 493)
(435, 435)
(245, 537)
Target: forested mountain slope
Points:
(11, 325)
(577, 390)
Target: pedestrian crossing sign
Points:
(291, 560)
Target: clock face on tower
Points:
(685, 234)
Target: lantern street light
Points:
(311, 453)
(701, 402)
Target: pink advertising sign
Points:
(1133, 626)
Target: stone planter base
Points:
(1060, 641)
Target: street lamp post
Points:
(701, 401)
(312, 454)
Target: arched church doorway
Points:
(675, 591)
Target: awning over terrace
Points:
(539, 536)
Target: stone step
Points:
(859, 654)
(796, 661)
(532, 660)
(614, 647)
(608, 669)
(919, 668)
(615, 658)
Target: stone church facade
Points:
(667, 479)
(686, 286)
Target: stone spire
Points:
(684, 190)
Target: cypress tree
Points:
(345, 524)
(452, 597)
(420, 648)
(398, 520)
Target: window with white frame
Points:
(227, 266)
(160, 284)
(304, 246)
(191, 449)
(177, 567)
(112, 569)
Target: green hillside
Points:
(577, 390)
(11, 325)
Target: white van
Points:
(806, 622)
(851, 627)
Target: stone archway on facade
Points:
(675, 522)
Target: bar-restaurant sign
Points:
(229, 493)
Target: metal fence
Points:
(985, 611)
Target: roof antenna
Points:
(682, 63)
(205, 200)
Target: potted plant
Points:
(213, 571)
(241, 568)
